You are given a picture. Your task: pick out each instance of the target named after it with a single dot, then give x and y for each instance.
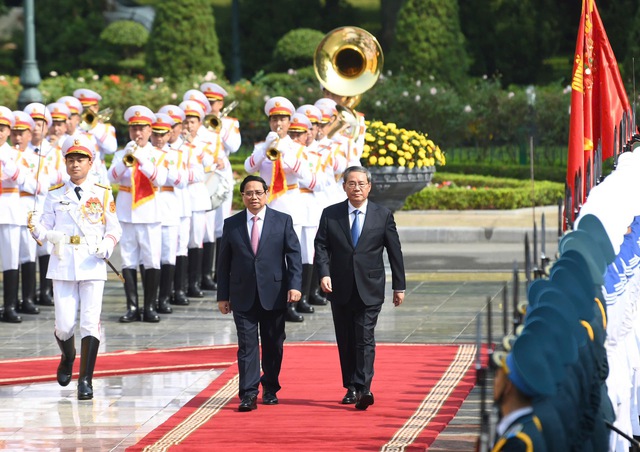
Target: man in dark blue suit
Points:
(349, 249)
(259, 270)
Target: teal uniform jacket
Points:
(523, 435)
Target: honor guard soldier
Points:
(103, 132)
(169, 202)
(79, 219)
(60, 114)
(51, 163)
(200, 158)
(276, 162)
(176, 142)
(136, 170)
(229, 139)
(14, 178)
(21, 135)
(299, 132)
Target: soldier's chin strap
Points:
(634, 442)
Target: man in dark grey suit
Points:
(259, 270)
(349, 249)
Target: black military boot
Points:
(316, 295)
(179, 286)
(302, 305)
(292, 315)
(166, 281)
(10, 296)
(46, 285)
(141, 273)
(195, 272)
(65, 368)
(28, 289)
(151, 284)
(88, 355)
(208, 254)
(131, 294)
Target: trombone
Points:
(213, 122)
(90, 119)
(348, 62)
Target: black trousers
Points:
(270, 326)
(354, 324)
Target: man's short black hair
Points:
(252, 178)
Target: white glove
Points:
(105, 248)
(271, 139)
(54, 237)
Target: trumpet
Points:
(129, 158)
(214, 122)
(90, 119)
(272, 152)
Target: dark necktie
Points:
(355, 227)
(78, 191)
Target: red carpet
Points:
(31, 370)
(418, 389)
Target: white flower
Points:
(300, 100)
(291, 71)
(389, 73)
(511, 94)
(80, 79)
(158, 80)
(53, 74)
(378, 103)
(431, 77)
(467, 108)
(484, 77)
(405, 93)
(210, 76)
(174, 96)
(433, 90)
(567, 89)
(417, 98)
(153, 87)
(418, 83)
(266, 98)
(95, 77)
(2, 77)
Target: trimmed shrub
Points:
(296, 49)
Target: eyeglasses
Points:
(249, 194)
(353, 185)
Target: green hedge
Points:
(472, 192)
(550, 173)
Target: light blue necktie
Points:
(355, 227)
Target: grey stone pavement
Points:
(454, 261)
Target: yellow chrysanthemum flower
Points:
(401, 161)
(389, 160)
(381, 162)
(392, 147)
(373, 160)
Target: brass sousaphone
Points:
(348, 62)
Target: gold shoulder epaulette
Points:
(106, 187)
(55, 187)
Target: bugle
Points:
(129, 158)
(213, 122)
(90, 119)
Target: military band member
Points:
(14, 178)
(276, 162)
(354, 147)
(136, 170)
(176, 142)
(335, 159)
(21, 135)
(79, 219)
(51, 163)
(169, 202)
(58, 132)
(229, 138)
(104, 133)
(199, 159)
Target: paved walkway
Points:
(448, 286)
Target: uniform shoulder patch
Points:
(106, 187)
(55, 187)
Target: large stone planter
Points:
(391, 185)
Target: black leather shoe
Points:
(349, 398)
(363, 400)
(316, 298)
(269, 398)
(248, 403)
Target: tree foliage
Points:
(183, 40)
(296, 49)
(429, 41)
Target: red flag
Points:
(141, 187)
(598, 102)
(278, 180)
